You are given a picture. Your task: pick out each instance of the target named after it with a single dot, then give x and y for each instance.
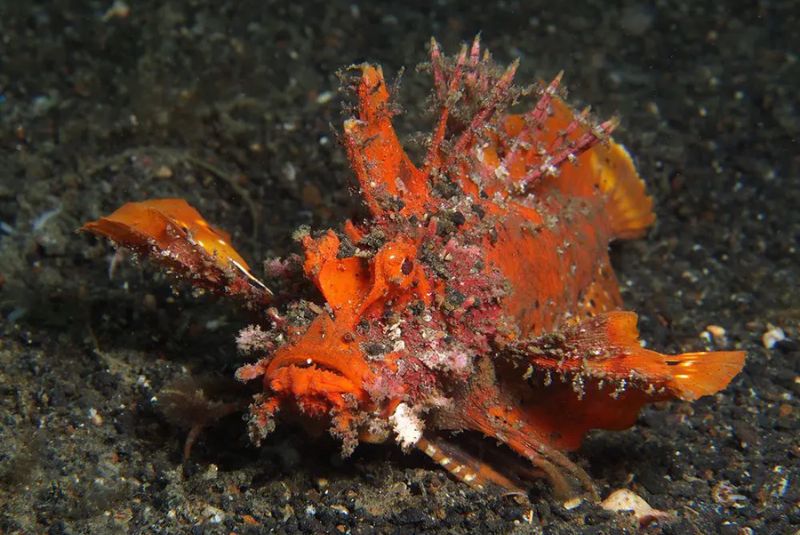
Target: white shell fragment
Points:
(626, 500)
(772, 336)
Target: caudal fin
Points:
(607, 348)
(687, 376)
(693, 375)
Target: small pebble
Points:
(324, 97)
(718, 334)
(118, 10)
(213, 514)
(95, 417)
(772, 336)
(249, 520)
(163, 172)
(724, 493)
(340, 509)
(211, 472)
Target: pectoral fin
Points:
(175, 236)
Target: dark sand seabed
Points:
(230, 105)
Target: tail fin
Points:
(694, 375)
(687, 376)
(607, 347)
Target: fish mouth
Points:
(310, 379)
(319, 369)
(325, 362)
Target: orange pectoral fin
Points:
(174, 235)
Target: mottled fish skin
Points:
(478, 296)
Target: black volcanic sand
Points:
(236, 108)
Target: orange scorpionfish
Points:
(478, 296)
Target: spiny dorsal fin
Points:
(606, 167)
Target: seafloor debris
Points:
(478, 296)
(625, 500)
(772, 336)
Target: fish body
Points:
(478, 295)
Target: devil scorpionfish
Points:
(478, 296)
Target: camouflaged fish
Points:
(478, 296)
